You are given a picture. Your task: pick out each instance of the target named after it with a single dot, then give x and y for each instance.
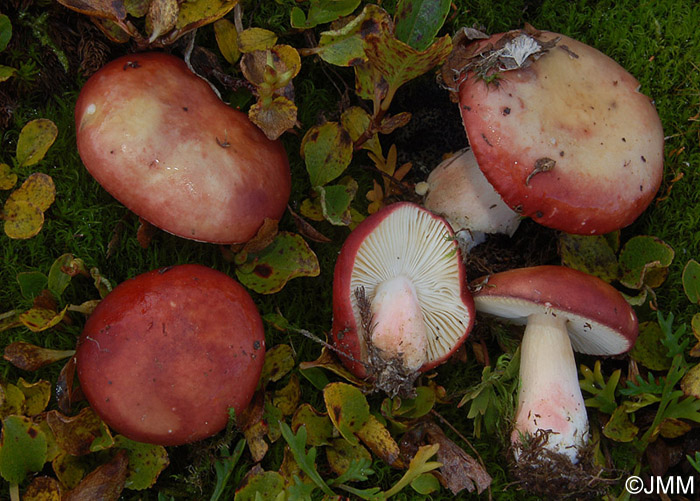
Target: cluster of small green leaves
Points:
(641, 265)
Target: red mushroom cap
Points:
(406, 241)
(599, 319)
(166, 354)
(566, 140)
(159, 139)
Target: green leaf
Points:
(279, 360)
(196, 13)
(287, 257)
(399, 63)
(418, 21)
(224, 467)
(63, 269)
(356, 121)
(344, 46)
(321, 12)
(146, 462)
(35, 139)
(227, 40)
(649, 350)
(425, 484)
(36, 396)
(619, 427)
(644, 260)
(413, 408)
(691, 281)
(264, 485)
(327, 151)
(591, 254)
(319, 428)
(335, 201)
(6, 72)
(256, 39)
(5, 31)
(8, 179)
(31, 283)
(347, 408)
(305, 460)
(603, 392)
(316, 377)
(418, 466)
(342, 454)
(22, 449)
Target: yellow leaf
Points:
(273, 67)
(256, 39)
(311, 209)
(38, 189)
(196, 13)
(22, 219)
(34, 141)
(8, 179)
(41, 319)
(279, 116)
(227, 40)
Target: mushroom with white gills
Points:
(562, 309)
(401, 305)
(459, 191)
(565, 137)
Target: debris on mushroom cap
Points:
(565, 136)
(166, 354)
(599, 319)
(158, 139)
(460, 193)
(401, 263)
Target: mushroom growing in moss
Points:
(158, 138)
(400, 301)
(166, 354)
(564, 310)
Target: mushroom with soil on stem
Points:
(560, 130)
(564, 310)
(457, 190)
(166, 354)
(400, 300)
(159, 140)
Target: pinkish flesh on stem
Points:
(550, 396)
(399, 329)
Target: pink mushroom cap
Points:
(568, 139)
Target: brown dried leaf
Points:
(254, 427)
(106, 9)
(75, 434)
(390, 123)
(274, 118)
(145, 233)
(64, 386)
(105, 483)
(459, 470)
(306, 230)
(30, 357)
(161, 18)
(43, 489)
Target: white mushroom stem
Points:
(459, 191)
(399, 330)
(550, 397)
